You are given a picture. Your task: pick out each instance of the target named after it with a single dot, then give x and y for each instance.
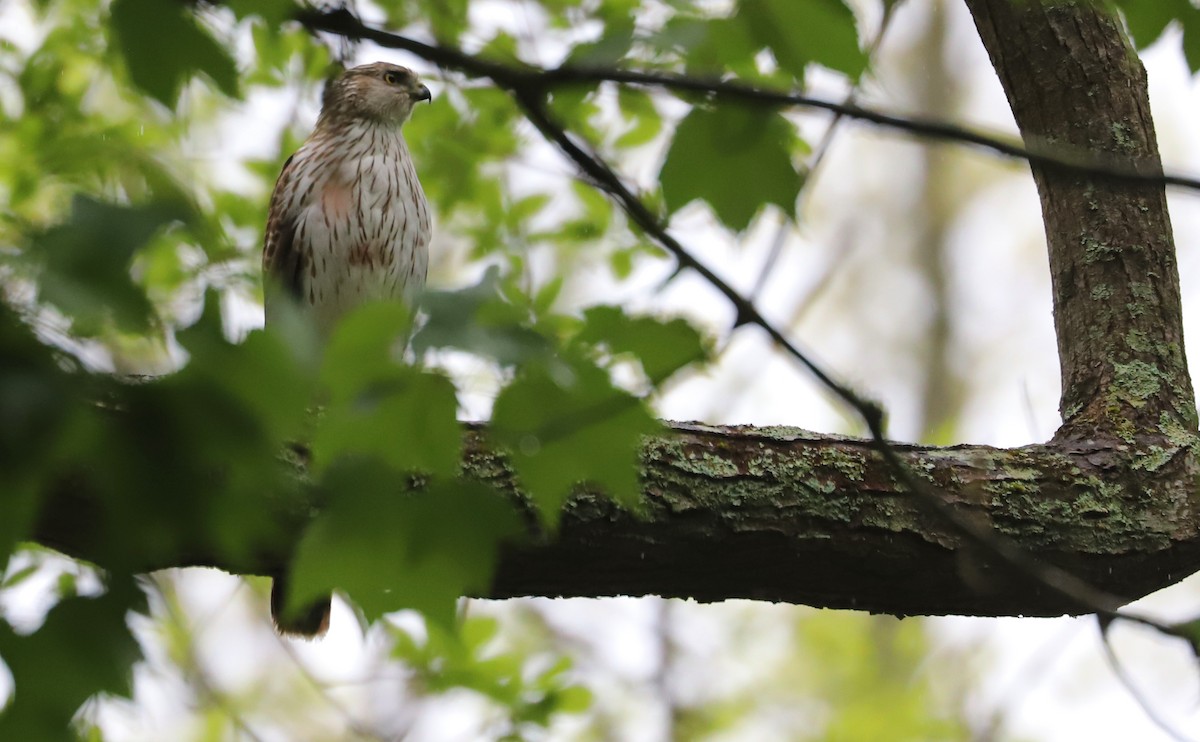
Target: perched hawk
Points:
(349, 222)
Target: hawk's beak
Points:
(423, 93)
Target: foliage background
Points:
(134, 190)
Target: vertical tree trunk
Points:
(1076, 86)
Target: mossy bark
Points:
(787, 515)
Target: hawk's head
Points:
(378, 91)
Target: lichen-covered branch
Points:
(783, 514)
(786, 515)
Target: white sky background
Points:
(1047, 675)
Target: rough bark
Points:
(1074, 85)
(783, 514)
(786, 515)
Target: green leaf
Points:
(82, 649)
(448, 19)
(270, 373)
(1191, 37)
(86, 261)
(378, 406)
(531, 691)
(544, 299)
(638, 108)
(568, 425)
(273, 12)
(574, 699)
(391, 550)
(478, 320)
(366, 345)
(662, 347)
(1147, 20)
(406, 419)
(710, 46)
(802, 31)
(735, 159)
(210, 435)
(163, 47)
(608, 50)
(37, 405)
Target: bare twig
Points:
(516, 77)
(1123, 677)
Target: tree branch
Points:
(782, 514)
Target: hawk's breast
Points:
(362, 222)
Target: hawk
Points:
(349, 223)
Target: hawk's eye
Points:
(391, 78)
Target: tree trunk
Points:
(1074, 84)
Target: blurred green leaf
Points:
(802, 31)
(645, 121)
(448, 18)
(86, 260)
(876, 658)
(379, 406)
(188, 463)
(83, 648)
(662, 347)
(21, 575)
(406, 419)
(456, 141)
(711, 46)
(608, 50)
(268, 373)
(273, 12)
(390, 549)
(471, 659)
(1146, 22)
(163, 46)
(478, 320)
(735, 159)
(367, 344)
(544, 299)
(37, 404)
(567, 425)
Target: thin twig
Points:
(606, 179)
(1140, 698)
(516, 77)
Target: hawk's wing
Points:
(283, 259)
